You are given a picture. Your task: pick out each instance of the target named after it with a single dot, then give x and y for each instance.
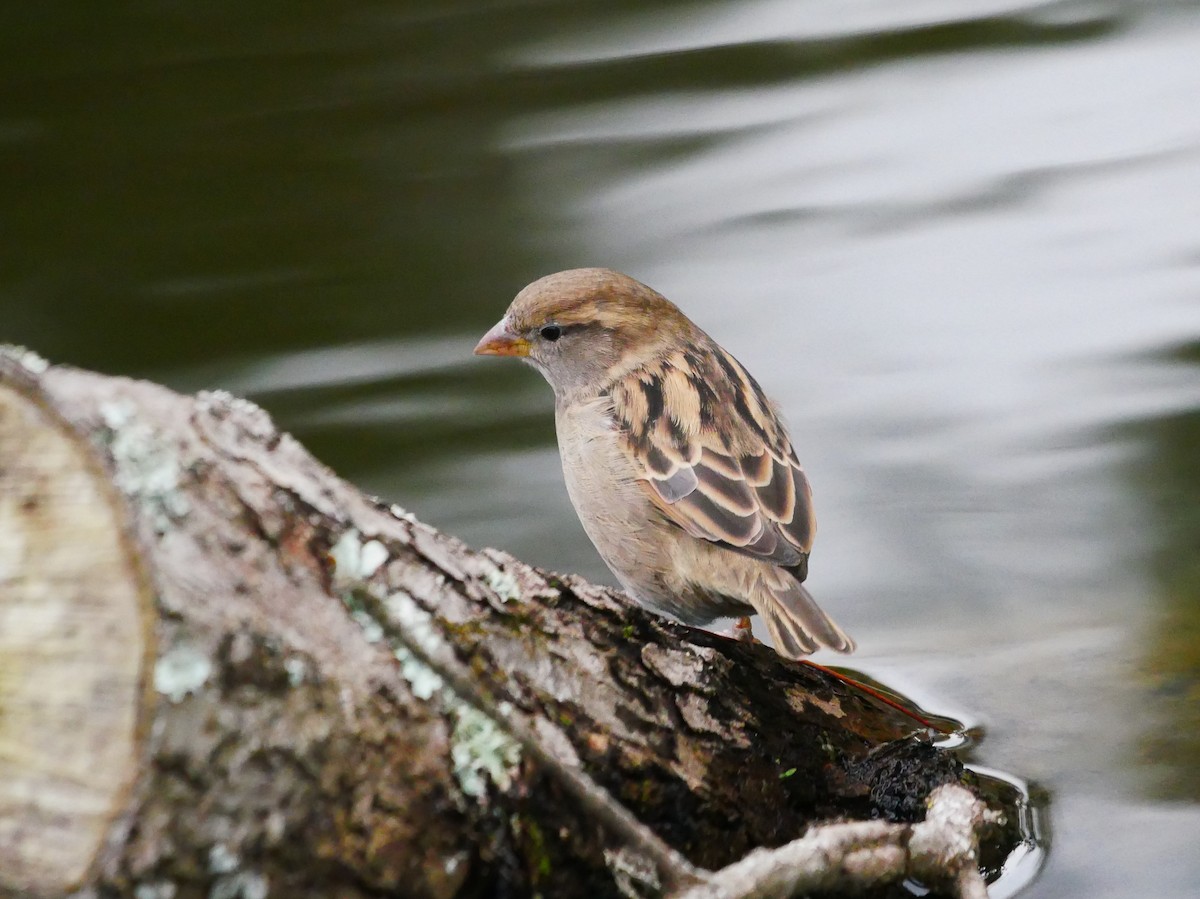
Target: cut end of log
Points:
(74, 641)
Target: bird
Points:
(680, 469)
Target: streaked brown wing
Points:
(716, 459)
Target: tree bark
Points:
(220, 676)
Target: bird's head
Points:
(584, 327)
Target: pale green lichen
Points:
(374, 554)
(354, 560)
(347, 557)
(371, 628)
(297, 670)
(146, 468)
(159, 889)
(221, 859)
(26, 358)
(422, 680)
(242, 885)
(478, 747)
(350, 566)
(504, 583)
(416, 623)
(181, 671)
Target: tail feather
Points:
(796, 622)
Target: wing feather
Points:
(715, 458)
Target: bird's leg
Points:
(742, 630)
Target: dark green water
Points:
(958, 241)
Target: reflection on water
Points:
(1168, 476)
(955, 240)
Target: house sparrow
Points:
(679, 467)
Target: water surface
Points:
(956, 241)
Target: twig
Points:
(942, 850)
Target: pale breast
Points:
(602, 485)
(640, 547)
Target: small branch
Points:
(854, 855)
(942, 850)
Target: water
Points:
(956, 241)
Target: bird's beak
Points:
(501, 341)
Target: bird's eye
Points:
(550, 332)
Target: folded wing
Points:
(714, 457)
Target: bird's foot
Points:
(742, 630)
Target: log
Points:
(225, 672)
